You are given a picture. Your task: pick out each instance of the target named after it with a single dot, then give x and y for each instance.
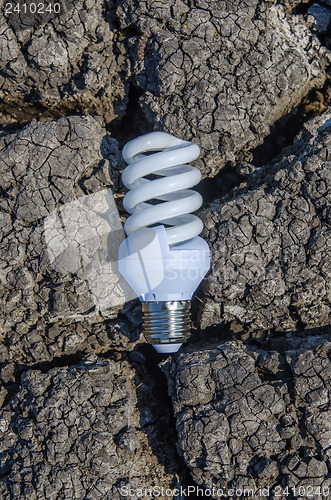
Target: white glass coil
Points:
(165, 158)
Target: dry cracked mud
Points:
(271, 242)
(65, 66)
(84, 405)
(251, 418)
(77, 432)
(56, 210)
(220, 72)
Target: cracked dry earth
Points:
(70, 430)
(86, 408)
(272, 246)
(247, 418)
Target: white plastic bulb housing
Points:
(163, 259)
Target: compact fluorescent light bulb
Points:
(163, 259)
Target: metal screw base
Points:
(166, 322)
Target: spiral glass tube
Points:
(159, 179)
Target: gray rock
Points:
(60, 67)
(75, 432)
(250, 418)
(271, 243)
(59, 291)
(219, 73)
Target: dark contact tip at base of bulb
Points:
(166, 322)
